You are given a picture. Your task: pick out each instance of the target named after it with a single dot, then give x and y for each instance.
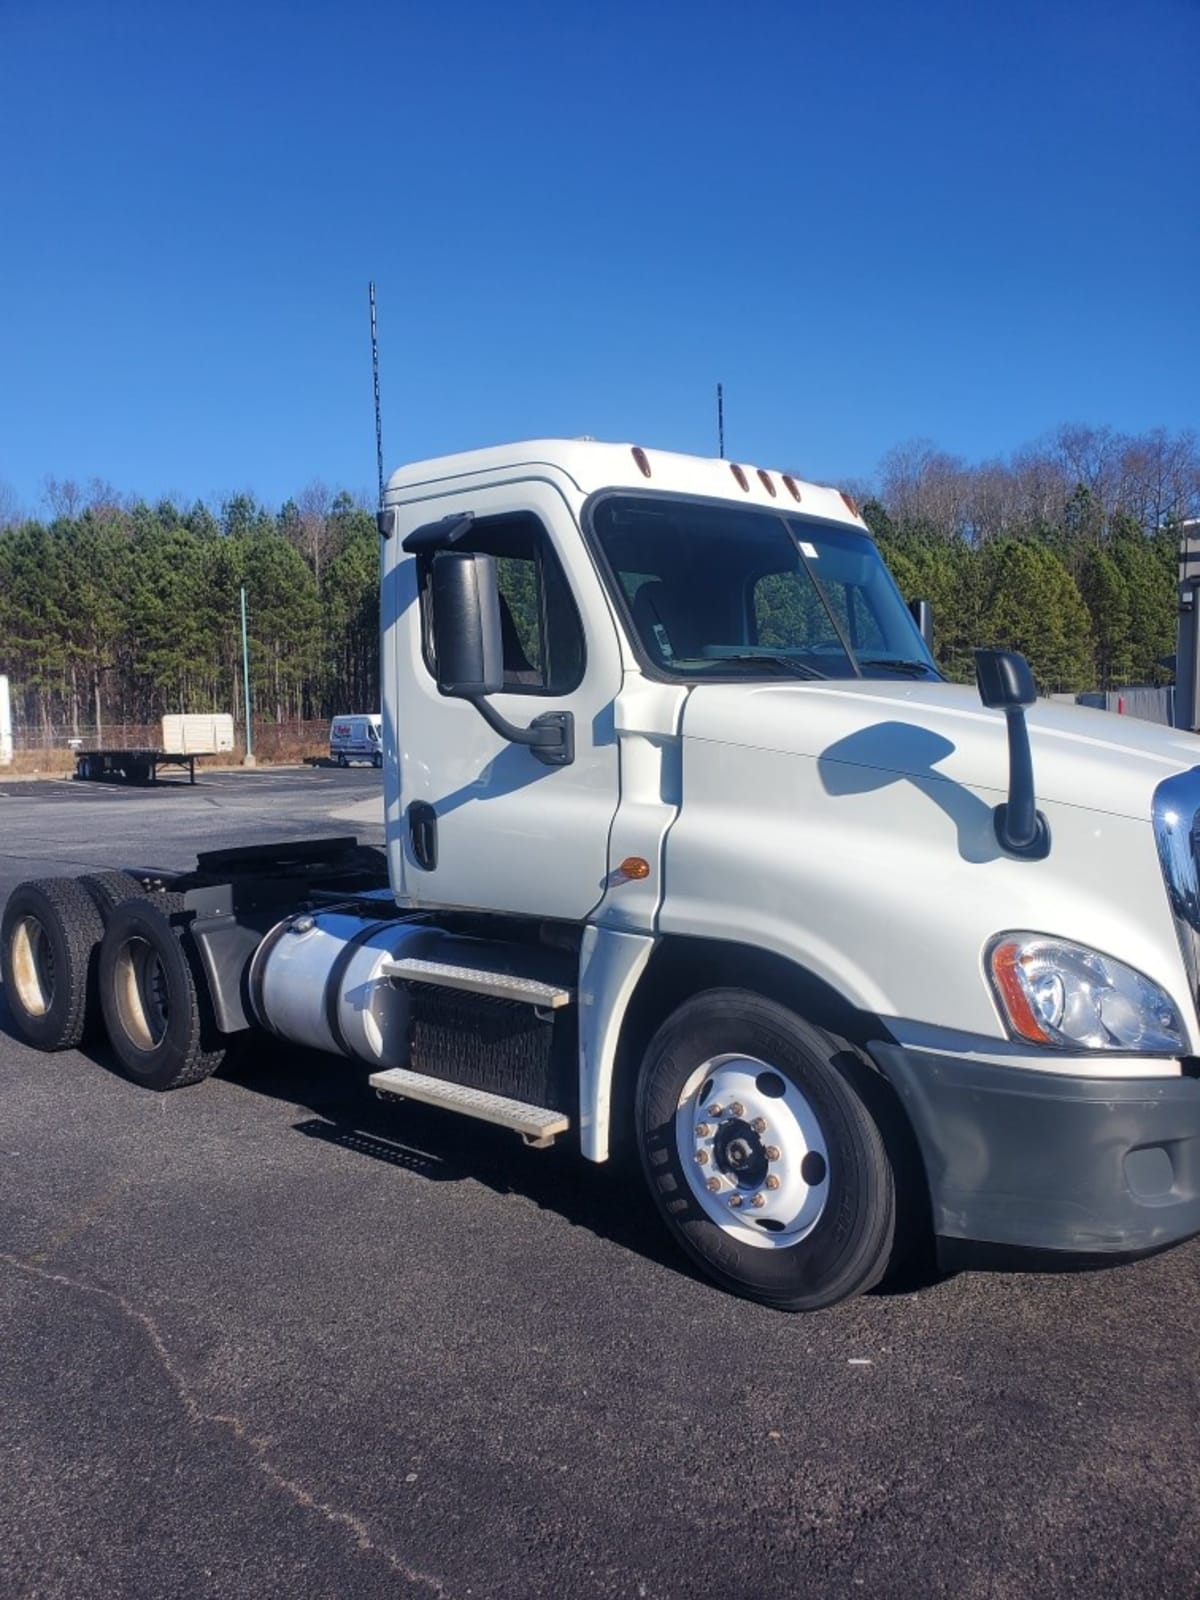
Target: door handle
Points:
(422, 834)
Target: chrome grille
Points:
(1177, 832)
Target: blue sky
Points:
(872, 222)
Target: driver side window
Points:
(540, 630)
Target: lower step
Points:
(537, 1125)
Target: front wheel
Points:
(761, 1154)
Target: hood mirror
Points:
(1006, 684)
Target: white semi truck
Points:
(692, 853)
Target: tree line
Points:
(115, 611)
(1068, 551)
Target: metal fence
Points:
(1147, 704)
(273, 741)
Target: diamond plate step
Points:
(478, 974)
(536, 1124)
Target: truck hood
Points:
(1093, 759)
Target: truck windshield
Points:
(715, 592)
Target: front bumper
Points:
(1022, 1162)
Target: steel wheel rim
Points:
(140, 987)
(753, 1151)
(33, 967)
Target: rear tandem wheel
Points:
(154, 997)
(48, 938)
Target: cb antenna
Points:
(375, 367)
(720, 419)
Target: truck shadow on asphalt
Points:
(608, 1200)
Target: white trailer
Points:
(6, 732)
(692, 853)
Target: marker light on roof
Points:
(639, 455)
(792, 487)
(851, 502)
(739, 476)
(765, 479)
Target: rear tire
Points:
(48, 937)
(761, 1154)
(154, 997)
(377, 760)
(342, 762)
(111, 889)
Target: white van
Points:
(356, 739)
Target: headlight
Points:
(1053, 992)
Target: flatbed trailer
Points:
(184, 736)
(132, 766)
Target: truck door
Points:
(480, 822)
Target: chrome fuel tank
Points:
(317, 980)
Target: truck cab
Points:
(694, 856)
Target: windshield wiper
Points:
(798, 669)
(897, 664)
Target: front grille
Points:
(1176, 815)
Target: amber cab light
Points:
(1006, 961)
(792, 487)
(765, 479)
(639, 455)
(739, 476)
(851, 502)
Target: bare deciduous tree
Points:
(63, 496)
(314, 503)
(10, 505)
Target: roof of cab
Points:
(592, 465)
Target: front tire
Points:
(761, 1154)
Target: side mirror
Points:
(1006, 684)
(466, 624)
(468, 646)
(922, 615)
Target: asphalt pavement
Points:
(269, 1337)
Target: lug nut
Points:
(735, 1200)
(715, 1109)
(772, 1180)
(712, 1184)
(704, 1130)
(702, 1157)
(772, 1152)
(758, 1201)
(759, 1124)
(737, 1109)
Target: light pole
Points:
(249, 759)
